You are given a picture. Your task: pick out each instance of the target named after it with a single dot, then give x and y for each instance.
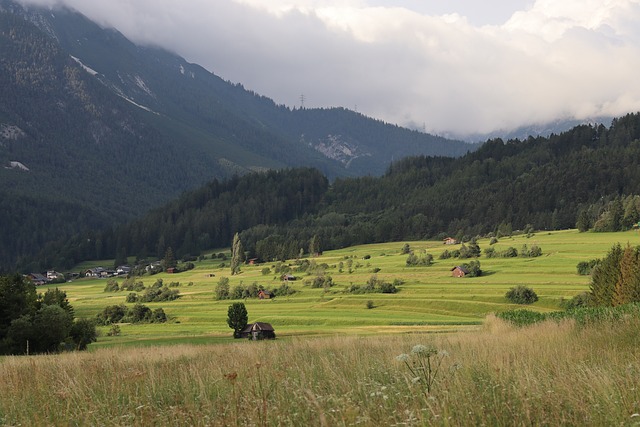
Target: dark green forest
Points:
(585, 176)
(105, 147)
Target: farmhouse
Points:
(459, 271)
(37, 278)
(450, 241)
(258, 331)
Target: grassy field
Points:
(429, 300)
(338, 363)
(548, 374)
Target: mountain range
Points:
(96, 130)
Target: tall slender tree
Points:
(237, 254)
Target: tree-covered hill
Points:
(542, 183)
(96, 131)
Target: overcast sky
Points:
(454, 67)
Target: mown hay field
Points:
(429, 299)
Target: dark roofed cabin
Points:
(459, 271)
(258, 331)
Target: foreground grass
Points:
(547, 374)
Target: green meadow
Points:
(339, 363)
(429, 300)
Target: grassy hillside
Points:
(429, 300)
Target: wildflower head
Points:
(424, 350)
(402, 357)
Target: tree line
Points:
(539, 183)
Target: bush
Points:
(521, 295)
(424, 260)
(132, 286)
(579, 301)
(111, 286)
(370, 305)
(473, 267)
(586, 267)
(111, 314)
(222, 288)
(521, 317)
(159, 294)
(374, 285)
(322, 281)
(510, 252)
(114, 331)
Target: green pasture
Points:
(429, 300)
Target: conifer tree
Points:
(169, 259)
(605, 276)
(627, 284)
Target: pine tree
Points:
(237, 254)
(169, 259)
(626, 288)
(605, 276)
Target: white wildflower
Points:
(402, 357)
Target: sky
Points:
(455, 67)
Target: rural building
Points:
(37, 278)
(54, 275)
(262, 294)
(450, 241)
(288, 277)
(258, 331)
(459, 271)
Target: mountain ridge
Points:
(116, 129)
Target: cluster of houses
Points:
(42, 279)
(100, 272)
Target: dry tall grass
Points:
(549, 374)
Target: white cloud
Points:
(455, 70)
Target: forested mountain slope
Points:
(540, 182)
(95, 130)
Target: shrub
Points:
(521, 295)
(132, 286)
(445, 254)
(473, 267)
(158, 316)
(158, 294)
(581, 300)
(114, 331)
(222, 288)
(111, 286)
(283, 290)
(322, 281)
(132, 297)
(586, 267)
(510, 252)
(370, 305)
(424, 260)
(111, 314)
(521, 317)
